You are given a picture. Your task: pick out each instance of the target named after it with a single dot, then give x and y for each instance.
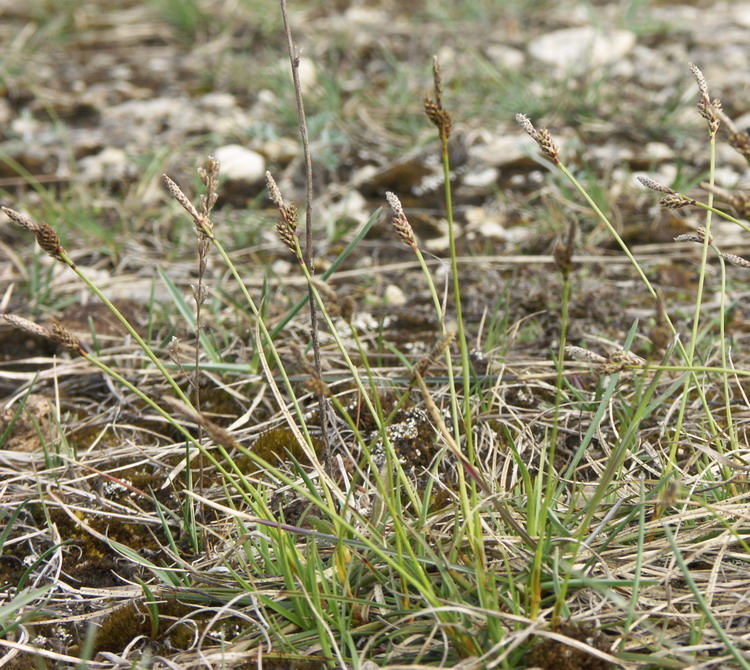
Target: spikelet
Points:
(434, 109)
(286, 228)
(542, 137)
(707, 108)
(399, 222)
(45, 235)
(57, 333)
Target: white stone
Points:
(219, 101)
(480, 223)
(579, 49)
(482, 178)
(658, 152)
(308, 75)
(505, 57)
(110, 164)
(281, 150)
(281, 268)
(394, 296)
(239, 164)
(504, 150)
(741, 14)
(351, 206)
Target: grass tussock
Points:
(260, 489)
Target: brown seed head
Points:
(436, 113)
(286, 235)
(62, 335)
(740, 141)
(548, 146)
(542, 137)
(317, 387)
(707, 107)
(424, 364)
(287, 227)
(209, 175)
(698, 236)
(439, 117)
(57, 333)
(292, 216)
(330, 297)
(620, 361)
(563, 251)
(399, 222)
(347, 308)
(675, 201)
(741, 204)
(48, 240)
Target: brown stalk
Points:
(209, 175)
(309, 259)
(204, 227)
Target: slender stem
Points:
(308, 257)
(696, 314)
(126, 324)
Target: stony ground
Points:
(100, 100)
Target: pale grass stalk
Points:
(294, 58)
(403, 228)
(47, 239)
(715, 431)
(540, 528)
(269, 341)
(690, 357)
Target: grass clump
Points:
(573, 511)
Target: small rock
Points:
(218, 101)
(505, 150)
(352, 206)
(482, 179)
(658, 152)
(111, 165)
(282, 150)
(480, 223)
(281, 268)
(505, 57)
(308, 74)
(741, 14)
(306, 70)
(580, 49)
(241, 165)
(394, 296)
